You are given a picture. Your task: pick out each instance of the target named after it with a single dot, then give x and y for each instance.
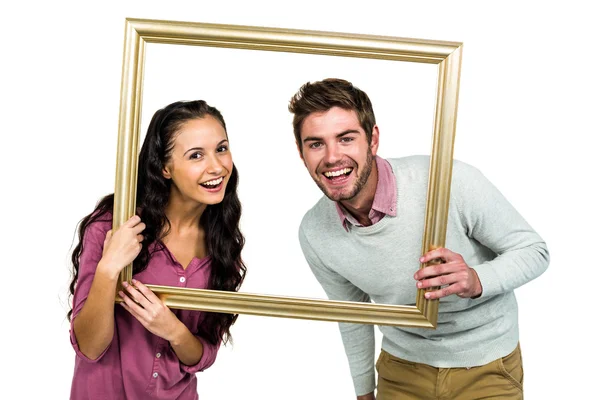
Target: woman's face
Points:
(200, 164)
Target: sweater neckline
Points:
(368, 230)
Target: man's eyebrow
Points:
(339, 135)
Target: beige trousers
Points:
(405, 380)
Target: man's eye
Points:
(314, 145)
(346, 139)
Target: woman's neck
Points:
(184, 216)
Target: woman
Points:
(186, 235)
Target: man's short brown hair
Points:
(323, 95)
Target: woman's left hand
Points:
(152, 313)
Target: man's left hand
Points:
(454, 272)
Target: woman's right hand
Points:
(122, 246)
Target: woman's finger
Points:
(149, 294)
(133, 312)
(133, 221)
(136, 295)
(133, 307)
(139, 228)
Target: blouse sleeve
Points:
(209, 355)
(93, 243)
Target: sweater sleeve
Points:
(490, 219)
(358, 339)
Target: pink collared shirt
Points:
(138, 364)
(384, 202)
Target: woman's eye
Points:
(195, 156)
(222, 149)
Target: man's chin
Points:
(337, 195)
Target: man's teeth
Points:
(331, 174)
(214, 182)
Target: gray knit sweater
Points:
(377, 263)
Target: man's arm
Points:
(358, 339)
(490, 219)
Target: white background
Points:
(527, 119)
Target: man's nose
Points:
(332, 154)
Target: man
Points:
(363, 242)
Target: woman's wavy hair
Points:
(220, 222)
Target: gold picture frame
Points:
(447, 55)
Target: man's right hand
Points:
(369, 396)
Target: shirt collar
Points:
(385, 198)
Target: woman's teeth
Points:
(214, 182)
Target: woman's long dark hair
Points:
(220, 222)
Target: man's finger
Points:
(442, 252)
(432, 254)
(438, 281)
(444, 292)
(435, 270)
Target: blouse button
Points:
(154, 375)
(182, 279)
(157, 355)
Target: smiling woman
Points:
(199, 173)
(185, 235)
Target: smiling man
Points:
(362, 240)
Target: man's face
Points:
(334, 148)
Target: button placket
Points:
(156, 364)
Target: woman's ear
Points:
(166, 172)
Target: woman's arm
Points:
(187, 347)
(94, 324)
